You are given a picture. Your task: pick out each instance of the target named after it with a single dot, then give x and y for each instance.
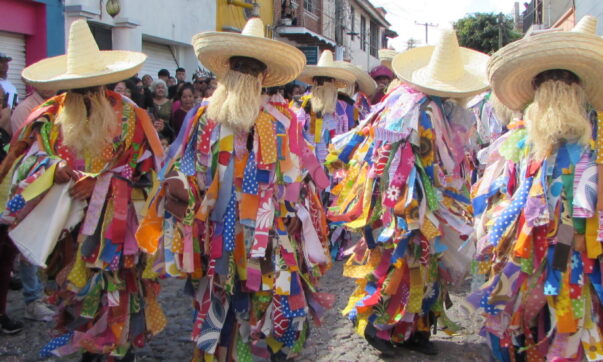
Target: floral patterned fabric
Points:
(405, 189)
(253, 283)
(106, 305)
(543, 297)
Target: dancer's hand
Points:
(63, 173)
(83, 188)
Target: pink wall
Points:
(28, 18)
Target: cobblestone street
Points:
(335, 340)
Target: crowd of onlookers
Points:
(167, 99)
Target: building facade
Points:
(353, 29)
(160, 29)
(30, 31)
(547, 14)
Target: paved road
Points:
(335, 340)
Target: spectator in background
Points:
(382, 76)
(8, 251)
(181, 75)
(201, 83)
(171, 82)
(180, 79)
(293, 91)
(22, 111)
(212, 84)
(186, 99)
(119, 87)
(147, 80)
(11, 97)
(134, 91)
(161, 109)
(198, 95)
(5, 114)
(164, 75)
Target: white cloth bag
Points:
(38, 233)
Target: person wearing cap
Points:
(537, 215)
(406, 191)
(10, 91)
(87, 154)
(383, 77)
(238, 210)
(361, 90)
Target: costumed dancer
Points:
(361, 90)
(80, 163)
(238, 209)
(536, 204)
(407, 190)
(325, 113)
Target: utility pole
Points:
(500, 30)
(410, 43)
(427, 25)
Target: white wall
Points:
(359, 56)
(171, 22)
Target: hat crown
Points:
(586, 25)
(82, 50)
(254, 27)
(326, 59)
(446, 63)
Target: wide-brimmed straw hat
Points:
(512, 68)
(326, 67)
(366, 84)
(84, 65)
(284, 62)
(445, 70)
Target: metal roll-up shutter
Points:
(159, 56)
(14, 46)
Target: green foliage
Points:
(480, 31)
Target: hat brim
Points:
(343, 77)
(113, 66)
(513, 67)
(366, 84)
(283, 61)
(410, 67)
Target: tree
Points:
(481, 31)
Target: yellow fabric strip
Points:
(40, 185)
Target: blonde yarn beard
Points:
(324, 98)
(87, 134)
(557, 114)
(236, 101)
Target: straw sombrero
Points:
(512, 68)
(366, 84)
(445, 70)
(84, 65)
(326, 67)
(283, 61)
(386, 56)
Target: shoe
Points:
(38, 311)
(10, 326)
(386, 348)
(419, 342)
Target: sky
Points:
(403, 14)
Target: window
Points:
(309, 5)
(374, 39)
(363, 33)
